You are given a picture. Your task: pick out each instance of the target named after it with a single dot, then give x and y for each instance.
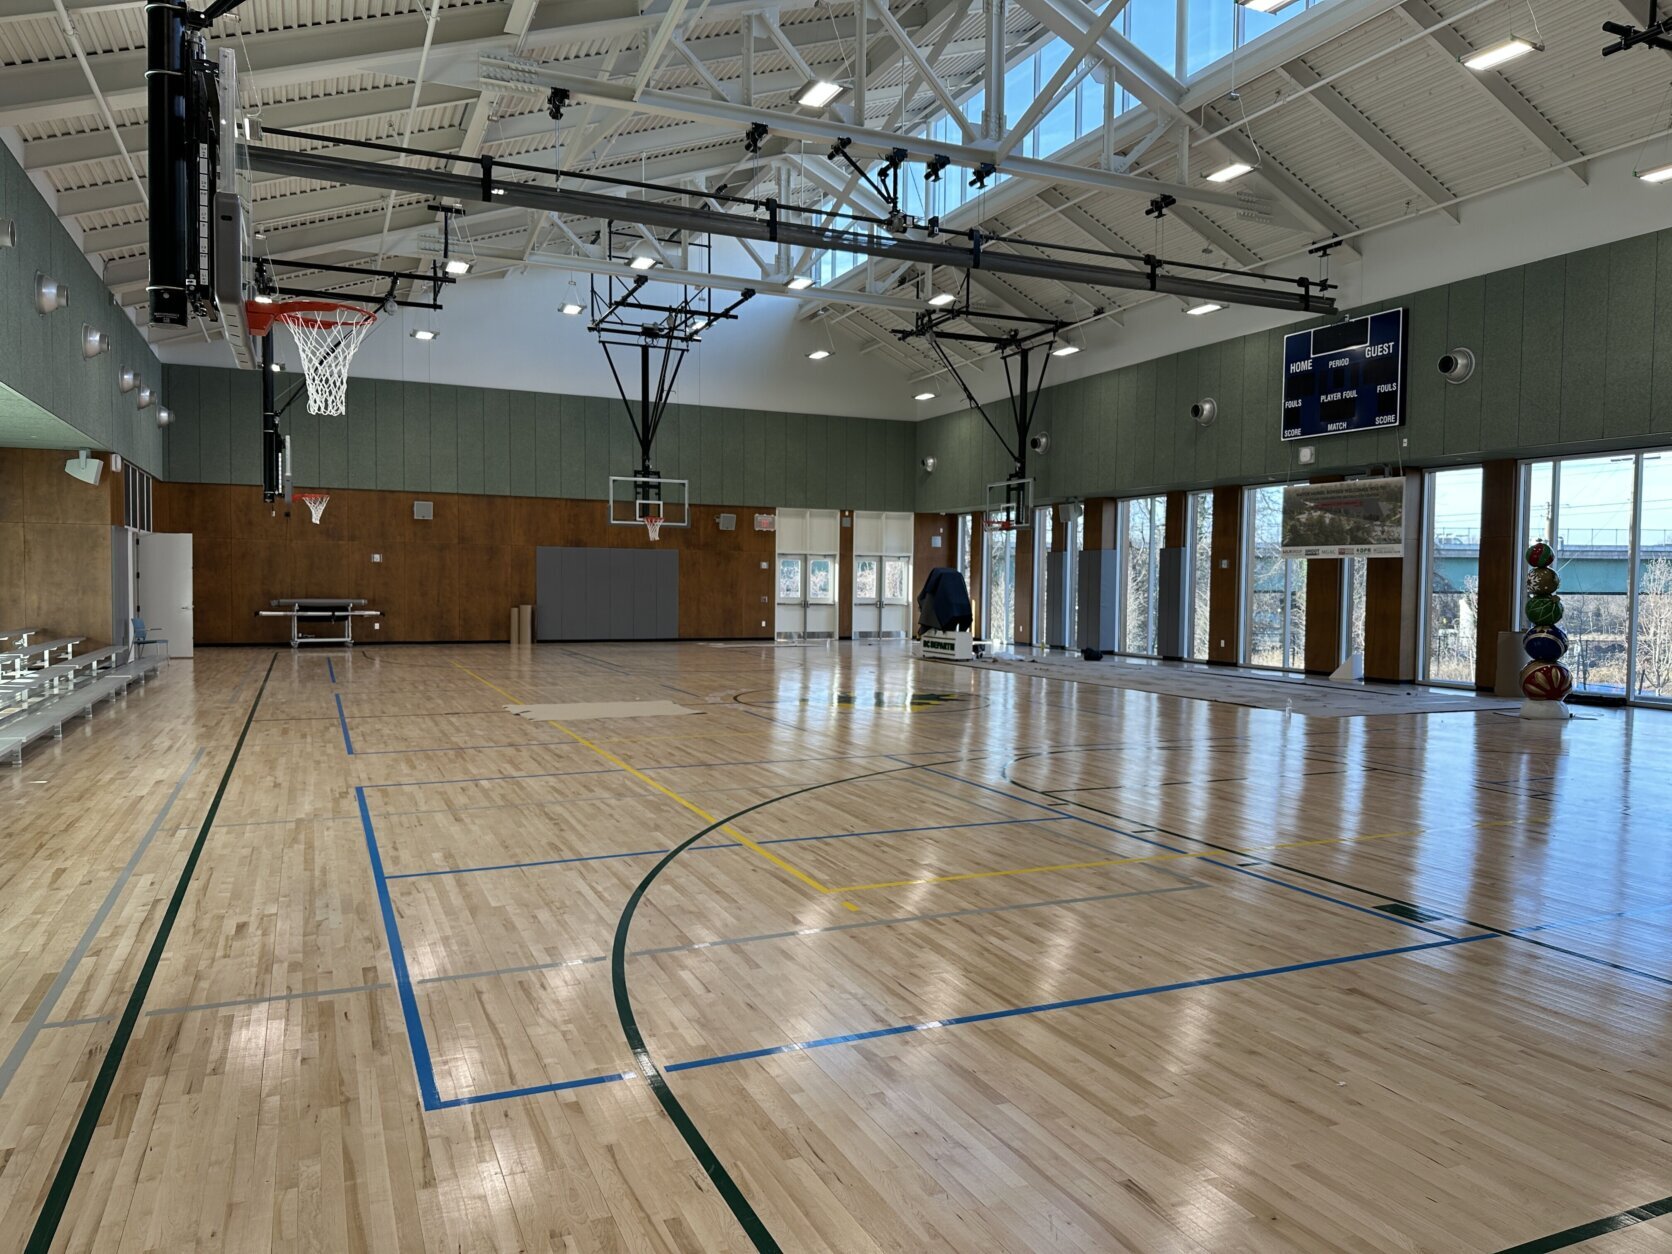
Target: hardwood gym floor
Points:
(958, 960)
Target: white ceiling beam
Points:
(926, 71)
(1285, 186)
(1518, 107)
(1073, 65)
(1372, 138)
(507, 74)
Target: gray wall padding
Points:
(606, 594)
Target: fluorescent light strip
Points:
(799, 283)
(1196, 311)
(818, 354)
(1264, 6)
(456, 266)
(644, 261)
(1494, 55)
(940, 300)
(1659, 174)
(819, 93)
(571, 309)
(924, 396)
(424, 335)
(1233, 171)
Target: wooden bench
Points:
(50, 716)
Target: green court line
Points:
(45, 1230)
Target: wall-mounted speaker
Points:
(1205, 411)
(1457, 366)
(93, 341)
(85, 467)
(1040, 443)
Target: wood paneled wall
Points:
(1500, 564)
(453, 578)
(1225, 586)
(925, 556)
(54, 545)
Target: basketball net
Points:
(327, 339)
(316, 503)
(653, 525)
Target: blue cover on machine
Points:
(944, 603)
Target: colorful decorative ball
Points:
(1540, 554)
(1544, 611)
(1546, 681)
(1542, 581)
(1545, 644)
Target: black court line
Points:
(45, 1230)
(747, 1218)
(1596, 1228)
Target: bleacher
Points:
(44, 683)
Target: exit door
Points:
(163, 588)
(808, 540)
(882, 575)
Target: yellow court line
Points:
(1153, 857)
(639, 775)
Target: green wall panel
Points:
(444, 439)
(1584, 345)
(470, 439)
(1627, 405)
(496, 442)
(523, 452)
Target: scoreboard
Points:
(1348, 376)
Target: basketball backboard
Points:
(1010, 501)
(636, 497)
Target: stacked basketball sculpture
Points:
(1545, 682)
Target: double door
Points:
(806, 576)
(882, 582)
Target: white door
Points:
(163, 588)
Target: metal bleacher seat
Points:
(39, 699)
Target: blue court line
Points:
(1375, 914)
(417, 1042)
(986, 1016)
(331, 670)
(488, 779)
(342, 721)
(729, 844)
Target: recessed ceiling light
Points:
(818, 354)
(1233, 171)
(1660, 174)
(1065, 350)
(498, 191)
(457, 266)
(1207, 307)
(424, 335)
(1264, 6)
(940, 300)
(799, 282)
(571, 309)
(818, 93)
(924, 396)
(1494, 55)
(644, 261)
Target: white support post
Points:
(992, 113)
(924, 68)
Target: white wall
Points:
(507, 332)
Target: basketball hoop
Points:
(653, 525)
(316, 503)
(1001, 524)
(327, 335)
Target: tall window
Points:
(1452, 573)
(1000, 571)
(1587, 508)
(1141, 521)
(1201, 572)
(1652, 641)
(1276, 611)
(1355, 577)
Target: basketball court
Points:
(1005, 625)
